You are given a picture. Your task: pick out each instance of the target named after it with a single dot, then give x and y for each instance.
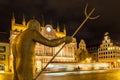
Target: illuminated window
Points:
(2, 56)
(113, 47)
(2, 48)
(48, 51)
(2, 67)
(37, 52)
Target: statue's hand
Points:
(68, 39)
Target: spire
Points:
(58, 28)
(12, 21)
(23, 21)
(13, 16)
(43, 22)
(51, 22)
(64, 30)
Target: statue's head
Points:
(34, 24)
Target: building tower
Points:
(24, 21)
(43, 22)
(58, 27)
(12, 21)
(64, 30)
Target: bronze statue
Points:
(23, 49)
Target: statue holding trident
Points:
(23, 49)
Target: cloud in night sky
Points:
(69, 12)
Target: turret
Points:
(58, 28)
(51, 23)
(23, 21)
(64, 30)
(12, 20)
(43, 22)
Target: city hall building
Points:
(43, 53)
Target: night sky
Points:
(68, 12)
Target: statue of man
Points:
(24, 48)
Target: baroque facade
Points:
(82, 54)
(109, 52)
(45, 53)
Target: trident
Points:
(87, 17)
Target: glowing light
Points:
(48, 29)
(56, 74)
(37, 63)
(113, 47)
(88, 59)
(118, 60)
(67, 73)
(95, 66)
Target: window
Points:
(2, 48)
(37, 52)
(2, 56)
(2, 67)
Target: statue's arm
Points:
(52, 43)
